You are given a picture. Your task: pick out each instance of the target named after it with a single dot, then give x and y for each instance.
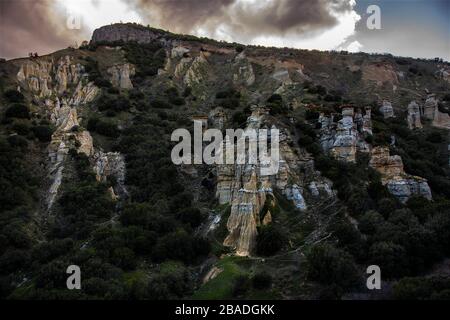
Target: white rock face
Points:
(404, 188)
(431, 112)
(246, 188)
(194, 75)
(346, 136)
(120, 75)
(52, 81)
(294, 193)
(387, 110)
(414, 116)
(430, 106)
(178, 52)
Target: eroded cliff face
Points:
(343, 138)
(61, 87)
(399, 183)
(120, 75)
(247, 187)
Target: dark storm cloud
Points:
(279, 17)
(247, 19)
(33, 26)
(181, 15)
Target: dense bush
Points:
(329, 265)
(422, 288)
(17, 110)
(269, 240)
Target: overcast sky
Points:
(417, 28)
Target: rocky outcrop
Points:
(431, 112)
(387, 165)
(387, 110)
(244, 74)
(441, 120)
(178, 52)
(62, 87)
(346, 136)
(247, 187)
(120, 75)
(218, 117)
(125, 32)
(196, 71)
(245, 208)
(414, 116)
(282, 75)
(294, 193)
(399, 183)
(443, 72)
(111, 166)
(429, 107)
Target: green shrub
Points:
(107, 128)
(43, 133)
(262, 280)
(13, 96)
(17, 110)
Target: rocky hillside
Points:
(87, 179)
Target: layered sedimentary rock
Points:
(414, 116)
(346, 136)
(294, 193)
(386, 109)
(247, 187)
(399, 183)
(194, 75)
(120, 75)
(53, 82)
(245, 208)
